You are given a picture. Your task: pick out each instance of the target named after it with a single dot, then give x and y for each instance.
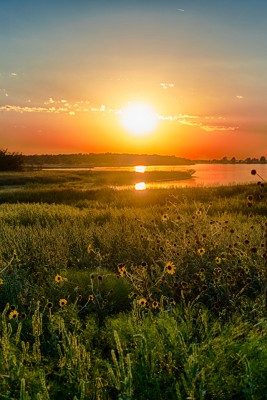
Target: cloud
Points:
(4, 92)
(106, 110)
(190, 123)
(190, 120)
(62, 106)
(167, 85)
(239, 97)
(20, 109)
(177, 117)
(213, 128)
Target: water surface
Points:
(205, 174)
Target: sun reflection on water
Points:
(140, 186)
(140, 168)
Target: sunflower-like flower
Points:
(201, 251)
(13, 314)
(169, 268)
(1, 281)
(90, 297)
(164, 218)
(155, 304)
(90, 249)
(184, 285)
(142, 302)
(218, 260)
(62, 302)
(58, 278)
(122, 270)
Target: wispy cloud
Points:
(63, 106)
(105, 109)
(21, 109)
(239, 97)
(167, 85)
(177, 117)
(59, 106)
(199, 121)
(213, 128)
(4, 92)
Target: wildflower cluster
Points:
(150, 283)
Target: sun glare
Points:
(139, 118)
(140, 168)
(140, 186)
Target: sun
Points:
(139, 118)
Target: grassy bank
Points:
(88, 177)
(111, 294)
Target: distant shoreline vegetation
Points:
(92, 160)
(101, 160)
(17, 161)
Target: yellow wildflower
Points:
(169, 268)
(122, 270)
(142, 302)
(201, 251)
(164, 217)
(62, 302)
(155, 304)
(58, 278)
(13, 314)
(90, 249)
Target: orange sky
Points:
(69, 72)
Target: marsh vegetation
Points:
(110, 294)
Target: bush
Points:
(10, 161)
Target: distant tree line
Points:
(16, 161)
(102, 160)
(10, 161)
(233, 160)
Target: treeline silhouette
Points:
(101, 160)
(11, 161)
(16, 161)
(233, 160)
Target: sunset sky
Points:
(70, 70)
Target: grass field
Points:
(109, 294)
(83, 178)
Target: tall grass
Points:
(111, 294)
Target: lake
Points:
(205, 175)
